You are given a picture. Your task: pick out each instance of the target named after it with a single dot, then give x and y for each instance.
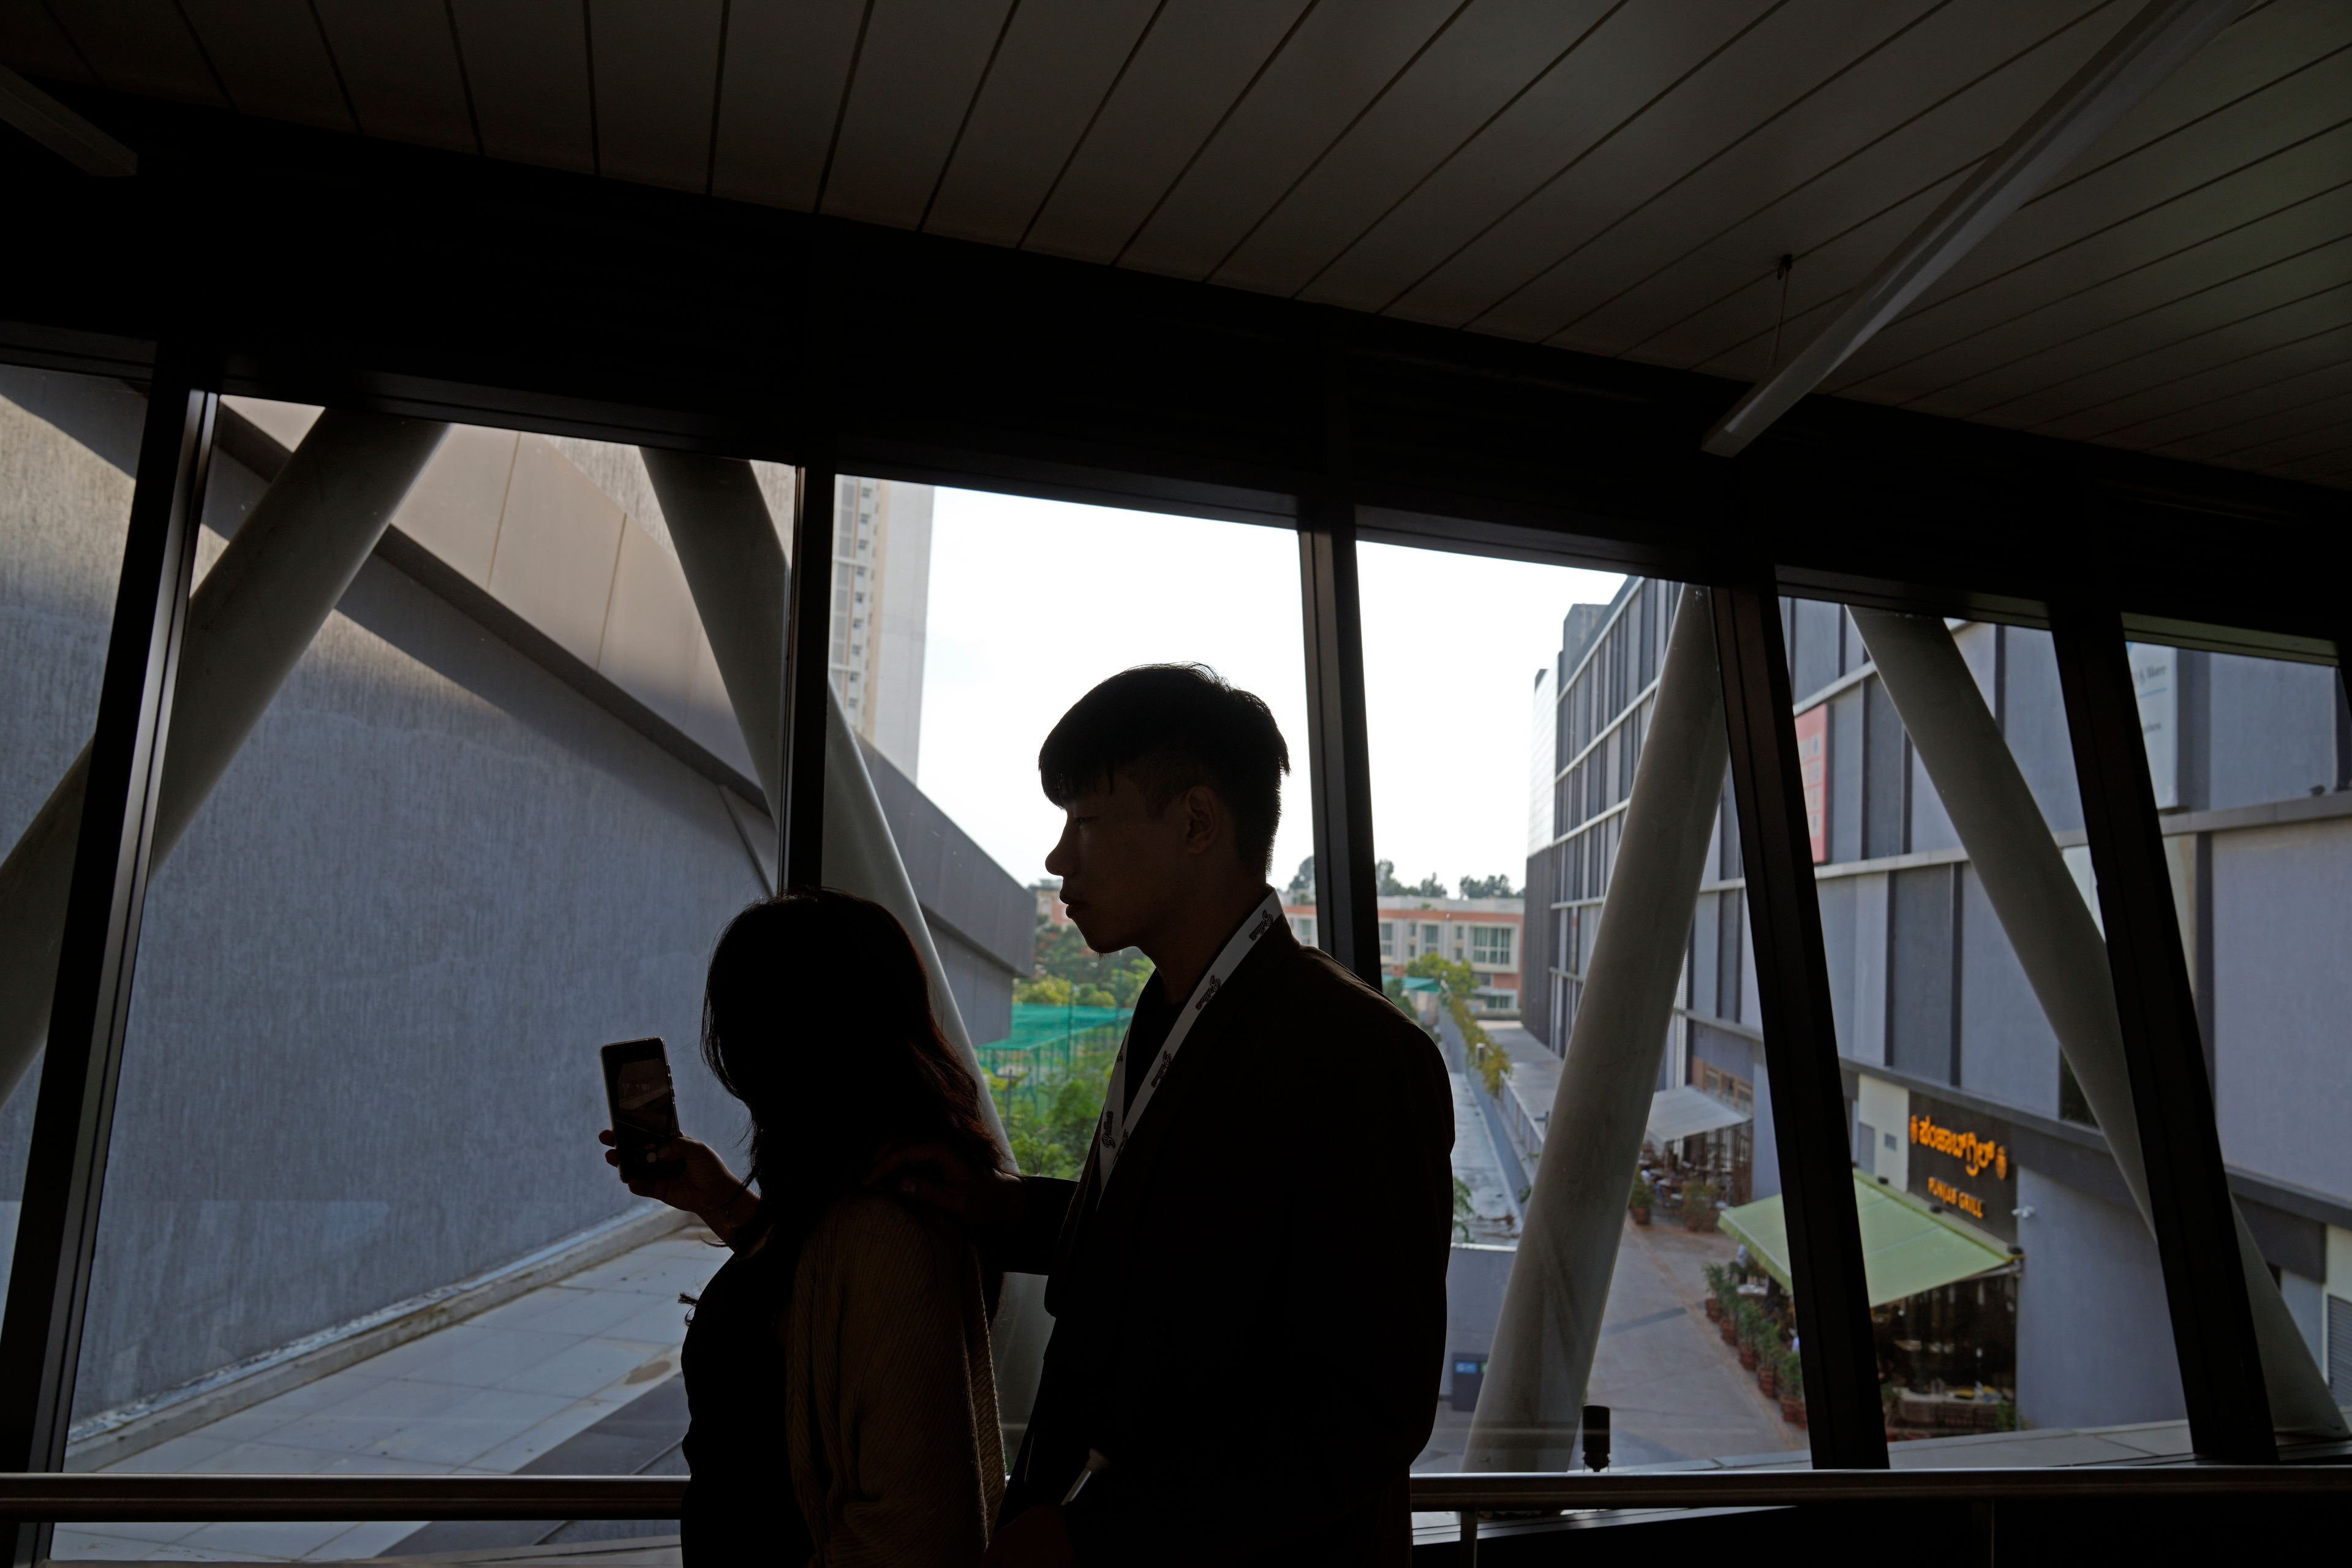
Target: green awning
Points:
(1905, 1250)
(1421, 983)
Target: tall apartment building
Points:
(881, 597)
(1940, 1034)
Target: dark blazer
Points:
(1249, 1322)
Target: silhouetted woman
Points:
(843, 1406)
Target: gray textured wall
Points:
(2094, 1341)
(361, 1061)
(2281, 909)
(2008, 1049)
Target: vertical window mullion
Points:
(1847, 1424)
(2172, 1097)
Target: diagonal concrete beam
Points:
(250, 621)
(1533, 1397)
(2050, 929)
(2150, 48)
(735, 569)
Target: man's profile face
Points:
(1122, 864)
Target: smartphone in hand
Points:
(644, 1106)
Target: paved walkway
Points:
(1494, 1208)
(491, 1395)
(1674, 1390)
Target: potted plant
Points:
(1719, 1286)
(1698, 1206)
(1752, 1329)
(1793, 1389)
(1640, 1201)
(1767, 1372)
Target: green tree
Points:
(1046, 991)
(1062, 954)
(1460, 984)
(1302, 885)
(1429, 887)
(1052, 1126)
(1496, 886)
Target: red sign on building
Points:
(1813, 770)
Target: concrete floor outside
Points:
(1674, 1390)
(576, 1377)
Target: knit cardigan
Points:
(890, 1392)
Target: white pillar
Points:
(1533, 1396)
(735, 569)
(248, 623)
(2050, 929)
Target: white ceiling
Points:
(1616, 178)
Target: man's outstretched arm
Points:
(1016, 1220)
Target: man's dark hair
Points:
(1169, 727)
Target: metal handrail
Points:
(113, 1495)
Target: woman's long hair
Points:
(817, 1016)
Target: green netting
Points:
(1046, 1041)
(1037, 1024)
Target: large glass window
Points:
(1031, 604)
(356, 1218)
(1497, 864)
(68, 447)
(2252, 763)
(1955, 931)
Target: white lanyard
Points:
(1119, 1114)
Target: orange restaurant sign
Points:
(1973, 1153)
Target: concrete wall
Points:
(2007, 1050)
(2094, 1341)
(2282, 991)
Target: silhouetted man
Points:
(1239, 1370)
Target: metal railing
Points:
(120, 1496)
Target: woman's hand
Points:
(688, 1174)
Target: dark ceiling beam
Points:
(346, 271)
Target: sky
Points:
(1033, 602)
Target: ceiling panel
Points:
(1934, 98)
(141, 45)
(2317, 407)
(1615, 177)
(1509, 279)
(2321, 407)
(1471, 71)
(1603, 82)
(528, 63)
(2149, 160)
(2256, 362)
(657, 73)
(1336, 65)
(2239, 398)
(787, 68)
(32, 42)
(399, 62)
(915, 79)
(2134, 345)
(1197, 60)
(273, 60)
(2066, 309)
(1057, 66)
(2045, 286)
(1735, 334)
